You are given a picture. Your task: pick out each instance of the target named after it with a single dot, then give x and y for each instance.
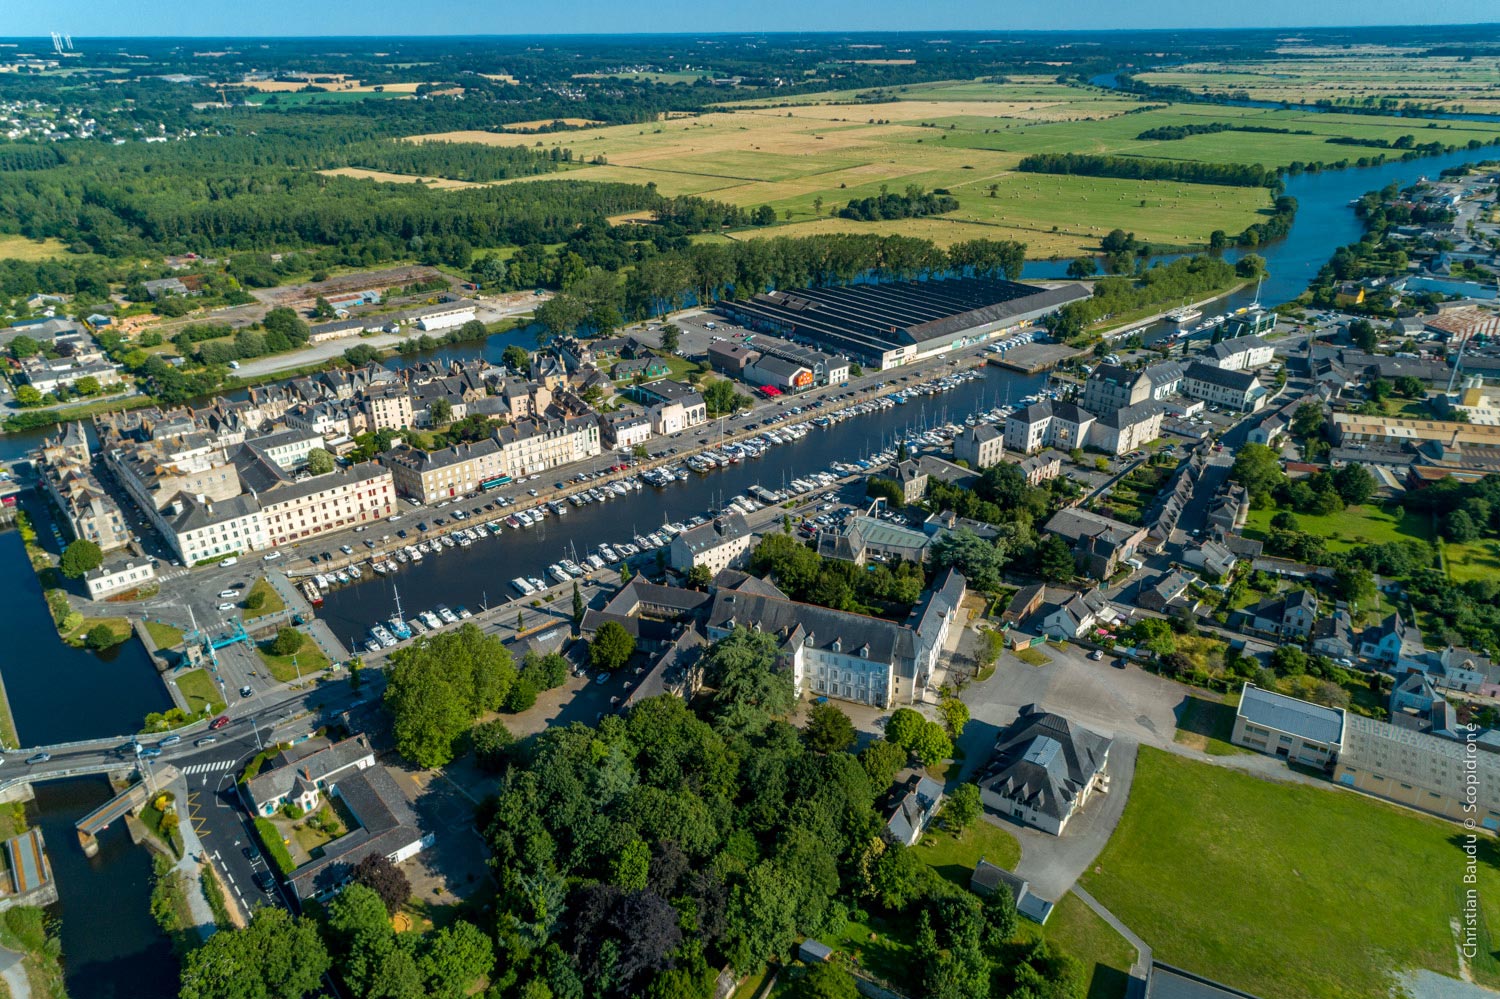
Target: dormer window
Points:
(838, 645)
(864, 651)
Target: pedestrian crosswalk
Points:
(208, 768)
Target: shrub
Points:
(270, 839)
(287, 642)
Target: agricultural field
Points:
(810, 156)
(324, 97)
(359, 173)
(1287, 889)
(1351, 78)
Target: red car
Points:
(219, 722)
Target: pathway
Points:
(1141, 969)
(194, 857)
(13, 971)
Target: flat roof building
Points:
(1288, 728)
(887, 325)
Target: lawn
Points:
(1355, 525)
(1479, 559)
(1032, 657)
(273, 603)
(1105, 955)
(200, 692)
(118, 625)
(881, 946)
(307, 662)
(1284, 889)
(1205, 721)
(955, 857)
(165, 636)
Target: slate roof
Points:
(1044, 762)
(1238, 381)
(719, 531)
(1313, 722)
(820, 627)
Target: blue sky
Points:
(95, 18)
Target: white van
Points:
(231, 560)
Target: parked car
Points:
(270, 556)
(264, 881)
(1096, 655)
(226, 607)
(227, 595)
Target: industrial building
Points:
(887, 325)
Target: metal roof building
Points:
(886, 325)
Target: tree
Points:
(385, 879)
(578, 607)
(255, 599)
(632, 865)
(492, 742)
(980, 561)
(1307, 422)
(1251, 265)
(361, 354)
(440, 412)
(88, 385)
(24, 346)
(879, 487)
(721, 397)
(611, 647)
(455, 957)
(1460, 527)
(1000, 922)
(829, 730)
(287, 641)
(516, 358)
(1055, 559)
(699, 577)
(1362, 333)
(826, 980)
(1258, 468)
(100, 636)
(671, 337)
(275, 957)
(762, 917)
(1354, 483)
(322, 309)
(439, 685)
(27, 395)
(923, 739)
(955, 715)
(81, 556)
(881, 760)
(319, 461)
(750, 684)
(624, 572)
(963, 808)
(1082, 267)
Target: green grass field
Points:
(273, 602)
(308, 662)
(1356, 525)
(164, 635)
(955, 857)
(201, 693)
(1283, 889)
(1105, 955)
(297, 98)
(1205, 721)
(14, 247)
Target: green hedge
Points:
(275, 848)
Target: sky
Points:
(177, 18)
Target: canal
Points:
(111, 947)
(481, 574)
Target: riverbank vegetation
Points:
(27, 930)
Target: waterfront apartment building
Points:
(532, 446)
(344, 497)
(433, 476)
(718, 545)
(65, 473)
(388, 407)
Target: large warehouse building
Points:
(888, 325)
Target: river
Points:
(58, 693)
